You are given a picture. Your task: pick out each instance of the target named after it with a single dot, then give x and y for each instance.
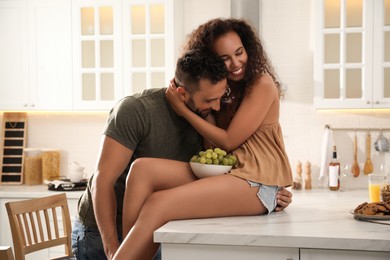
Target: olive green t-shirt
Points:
(146, 124)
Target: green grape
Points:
(216, 161)
(230, 161)
(194, 158)
(225, 161)
(214, 155)
(203, 160)
(201, 153)
(234, 159)
(208, 155)
(209, 151)
(217, 150)
(223, 152)
(209, 161)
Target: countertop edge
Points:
(379, 245)
(33, 191)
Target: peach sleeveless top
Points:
(263, 159)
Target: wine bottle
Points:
(334, 172)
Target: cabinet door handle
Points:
(368, 102)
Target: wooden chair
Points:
(6, 253)
(35, 225)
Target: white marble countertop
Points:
(316, 219)
(33, 191)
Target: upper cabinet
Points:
(120, 47)
(36, 56)
(82, 54)
(352, 54)
(98, 53)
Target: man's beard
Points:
(191, 105)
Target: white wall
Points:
(76, 135)
(287, 32)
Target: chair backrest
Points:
(36, 224)
(6, 253)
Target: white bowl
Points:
(208, 170)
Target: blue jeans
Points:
(87, 243)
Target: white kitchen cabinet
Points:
(97, 50)
(120, 47)
(322, 254)
(36, 55)
(352, 54)
(215, 252)
(82, 54)
(13, 53)
(220, 252)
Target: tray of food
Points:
(372, 211)
(65, 185)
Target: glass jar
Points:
(51, 159)
(32, 170)
(385, 190)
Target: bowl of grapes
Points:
(212, 162)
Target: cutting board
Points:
(14, 136)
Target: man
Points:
(142, 125)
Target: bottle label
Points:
(333, 176)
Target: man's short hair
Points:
(195, 65)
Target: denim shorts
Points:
(266, 194)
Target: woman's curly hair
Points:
(205, 35)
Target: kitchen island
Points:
(317, 225)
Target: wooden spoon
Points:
(355, 166)
(368, 167)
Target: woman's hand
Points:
(174, 98)
(283, 199)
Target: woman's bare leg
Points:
(224, 195)
(146, 176)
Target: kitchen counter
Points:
(317, 219)
(33, 191)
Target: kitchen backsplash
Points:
(287, 32)
(76, 135)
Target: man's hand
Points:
(283, 199)
(110, 252)
(176, 96)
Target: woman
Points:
(247, 124)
